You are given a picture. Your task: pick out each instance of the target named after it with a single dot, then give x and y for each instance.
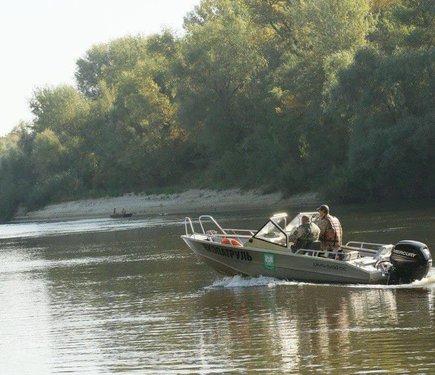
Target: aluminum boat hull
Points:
(254, 262)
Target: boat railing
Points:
(233, 235)
(351, 255)
(240, 234)
(188, 224)
(365, 247)
(212, 219)
(243, 232)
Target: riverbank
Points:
(190, 201)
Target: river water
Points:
(104, 296)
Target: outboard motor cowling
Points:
(411, 260)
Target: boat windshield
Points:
(272, 233)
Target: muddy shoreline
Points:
(193, 200)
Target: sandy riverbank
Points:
(194, 200)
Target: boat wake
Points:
(248, 282)
(262, 281)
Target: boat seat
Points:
(315, 245)
(350, 255)
(365, 261)
(202, 237)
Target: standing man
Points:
(331, 233)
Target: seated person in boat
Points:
(331, 233)
(305, 234)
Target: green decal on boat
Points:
(269, 261)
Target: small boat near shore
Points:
(268, 252)
(120, 216)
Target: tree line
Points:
(334, 96)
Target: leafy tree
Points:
(221, 69)
(62, 109)
(390, 117)
(105, 62)
(16, 177)
(330, 95)
(47, 153)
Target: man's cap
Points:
(324, 208)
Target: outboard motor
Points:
(410, 260)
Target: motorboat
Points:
(270, 251)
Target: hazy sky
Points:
(40, 40)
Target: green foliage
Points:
(105, 63)
(322, 95)
(47, 152)
(61, 109)
(219, 67)
(390, 117)
(16, 175)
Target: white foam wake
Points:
(247, 282)
(262, 281)
(427, 282)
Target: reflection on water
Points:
(38, 229)
(24, 323)
(99, 299)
